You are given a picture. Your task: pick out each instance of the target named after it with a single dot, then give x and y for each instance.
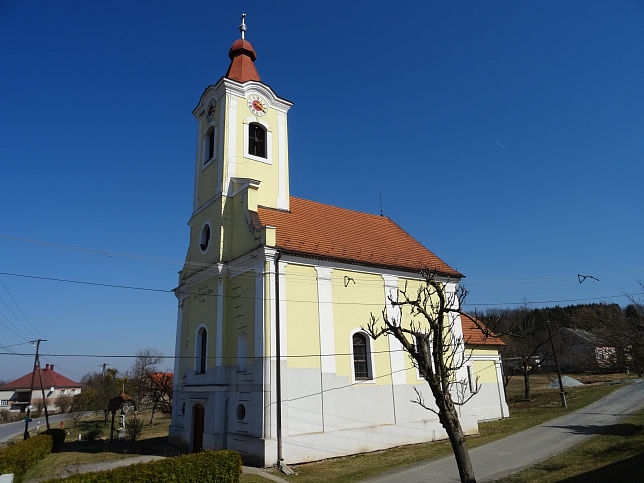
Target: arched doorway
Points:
(197, 428)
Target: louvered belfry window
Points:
(360, 357)
(257, 140)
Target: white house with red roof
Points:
(271, 356)
(14, 395)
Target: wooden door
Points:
(197, 428)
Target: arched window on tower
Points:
(211, 142)
(361, 362)
(257, 140)
(202, 351)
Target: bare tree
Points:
(160, 387)
(524, 333)
(633, 336)
(436, 350)
(152, 388)
(64, 402)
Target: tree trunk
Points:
(449, 420)
(154, 406)
(526, 381)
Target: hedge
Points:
(18, 458)
(216, 466)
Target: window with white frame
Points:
(257, 140)
(4, 402)
(361, 357)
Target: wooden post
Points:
(42, 391)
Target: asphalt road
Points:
(11, 429)
(508, 455)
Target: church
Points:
(272, 359)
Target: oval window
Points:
(241, 412)
(204, 240)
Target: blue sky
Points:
(507, 137)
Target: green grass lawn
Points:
(617, 454)
(544, 405)
(153, 441)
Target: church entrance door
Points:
(197, 428)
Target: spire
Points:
(242, 58)
(242, 27)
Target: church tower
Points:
(221, 368)
(242, 144)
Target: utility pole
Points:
(42, 391)
(31, 386)
(554, 355)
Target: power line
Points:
(526, 302)
(162, 356)
(193, 264)
(24, 316)
(11, 328)
(160, 290)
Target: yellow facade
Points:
(355, 297)
(302, 316)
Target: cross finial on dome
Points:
(242, 27)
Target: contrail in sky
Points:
(501, 145)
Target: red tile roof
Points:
(322, 231)
(473, 335)
(49, 378)
(242, 62)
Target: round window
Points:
(241, 412)
(204, 239)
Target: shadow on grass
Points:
(626, 470)
(624, 429)
(158, 446)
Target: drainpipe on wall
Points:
(278, 370)
(278, 356)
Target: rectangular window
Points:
(4, 402)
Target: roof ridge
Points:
(343, 209)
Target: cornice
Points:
(225, 85)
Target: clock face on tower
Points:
(257, 105)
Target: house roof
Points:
(323, 231)
(49, 378)
(473, 335)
